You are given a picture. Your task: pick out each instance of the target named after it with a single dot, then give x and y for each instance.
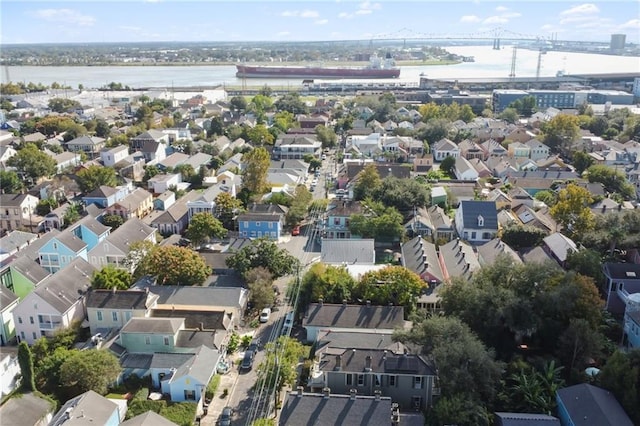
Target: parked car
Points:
(225, 416)
(254, 346)
(265, 314)
(247, 361)
(295, 231)
(288, 323)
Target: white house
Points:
(477, 221)
(445, 148)
(112, 156)
(55, 303)
(9, 371)
(8, 302)
(464, 170)
(161, 183)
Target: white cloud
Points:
(345, 15)
(576, 18)
(501, 9)
(322, 22)
(469, 19)
(495, 20)
(370, 6)
(300, 14)
(67, 16)
(633, 24)
(309, 14)
(586, 8)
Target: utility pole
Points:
(512, 74)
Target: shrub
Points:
(246, 340)
(212, 386)
(234, 342)
(142, 394)
(142, 406)
(181, 413)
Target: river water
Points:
(488, 63)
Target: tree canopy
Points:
(264, 253)
(392, 284)
(204, 226)
(95, 176)
(90, 370)
(34, 163)
(254, 177)
(571, 210)
(614, 181)
(111, 277)
(173, 265)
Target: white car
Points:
(288, 323)
(265, 314)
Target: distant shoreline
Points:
(227, 64)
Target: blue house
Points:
(105, 196)
(262, 221)
(188, 377)
(632, 322)
(588, 405)
(90, 231)
(60, 251)
(89, 407)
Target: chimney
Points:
(367, 363)
(424, 258)
(201, 326)
(338, 366)
(113, 290)
(320, 301)
(326, 393)
(352, 394)
(463, 255)
(369, 303)
(344, 302)
(377, 394)
(300, 390)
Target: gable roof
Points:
(135, 198)
(63, 289)
(354, 316)
(349, 251)
(28, 410)
(7, 297)
(200, 296)
(120, 299)
(375, 360)
(490, 251)
(153, 325)
(102, 191)
(525, 419)
(87, 408)
(309, 408)
(589, 405)
(420, 256)
(149, 418)
(472, 209)
(459, 259)
(560, 245)
(330, 340)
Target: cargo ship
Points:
(377, 68)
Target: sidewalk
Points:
(228, 382)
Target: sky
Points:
(26, 21)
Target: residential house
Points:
(206, 201)
(150, 418)
(111, 156)
(352, 318)
(559, 246)
(105, 196)
(115, 248)
(65, 160)
(458, 260)
(622, 281)
(151, 335)
(10, 374)
(154, 152)
(109, 310)
(524, 419)
(470, 150)
(175, 219)
(445, 148)
(262, 220)
(89, 230)
(152, 135)
(6, 152)
(586, 405)
(631, 337)
(490, 251)
(432, 223)
(422, 164)
(173, 160)
(420, 256)
(537, 150)
(138, 204)
(165, 200)
(439, 196)
(15, 241)
(493, 148)
(338, 216)
(21, 274)
(161, 183)
(18, 211)
(91, 145)
(8, 301)
(28, 410)
(55, 218)
(89, 407)
(464, 170)
(348, 252)
(477, 221)
(301, 409)
(54, 304)
(296, 147)
(501, 199)
(61, 250)
(519, 150)
(409, 380)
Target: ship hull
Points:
(245, 71)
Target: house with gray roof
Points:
(15, 241)
(28, 410)
(559, 246)
(55, 303)
(476, 221)
(8, 301)
(262, 220)
(87, 408)
(540, 256)
(175, 219)
(524, 419)
(622, 280)
(301, 409)
(330, 340)
(137, 204)
(464, 170)
(365, 318)
(408, 379)
(458, 260)
(420, 256)
(490, 251)
(91, 145)
(111, 309)
(150, 418)
(348, 251)
(586, 405)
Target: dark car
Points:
(225, 416)
(247, 361)
(254, 346)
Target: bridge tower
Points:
(496, 39)
(512, 74)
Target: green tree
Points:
(265, 253)
(299, 205)
(435, 130)
(238, 103)
(95, 176)
(367, 184)
(519, 236)
(110, 277)
(173, 265)
(525, 106)
(137, 258)
(392, 284)
(279, 366)
(560, 131)
(572, 210)
(10, 183)
(61, 105)
(403, 194)
(332, 284)
(25, 360)
(260, 283)
(259, 135)
(204, 226)
(385, 224)
(613, 180)
(150, 171)
(510, 115)
(621, 376)
(546, 196)
(448, 165)
(90, 370)
(257, 165)
(34, 163)
(582, 161)
(284, 121)
(579, 343)
(226, 208)
(326, 136)
(458, 410)
(113, 221)
(292, 103)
